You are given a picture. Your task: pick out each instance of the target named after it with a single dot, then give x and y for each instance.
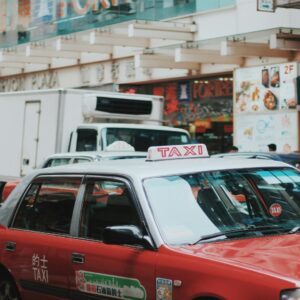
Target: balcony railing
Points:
(37, 20)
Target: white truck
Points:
(36, 124)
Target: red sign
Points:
(177, 151)
(275, 210)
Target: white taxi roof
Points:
(140, 168)
(96, 154)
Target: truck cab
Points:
(98, 136)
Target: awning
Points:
(150, 44)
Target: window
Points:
(57, 162)
(86, 140)
(142, 139)
(190, 206)
(106, 203)
(48, 205)
(78, 160)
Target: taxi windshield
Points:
(191, 207)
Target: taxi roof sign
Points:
(177, 152)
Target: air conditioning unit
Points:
(123, 106)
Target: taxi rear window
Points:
(48, 205)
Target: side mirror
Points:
(126, 234)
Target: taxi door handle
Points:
(10, 246)
(78, 258)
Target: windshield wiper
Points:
(294, 230)
(233, 232)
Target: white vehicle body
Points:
(59, 159)
(36, 124)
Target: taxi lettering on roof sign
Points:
(177, 152)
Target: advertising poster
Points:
(253, 132)
(266, 88)
(265, 107)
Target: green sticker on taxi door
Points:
(110, 286)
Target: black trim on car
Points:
(74, 295)
(45, 289)
(58, 291)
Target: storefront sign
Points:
(13, 84)
(81, 8)
(71, 77)
(184, 91)
(265, 88)
(212, 88)
(193, 100)
(36, 81)
(46, 80)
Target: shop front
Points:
(204, 106)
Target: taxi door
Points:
(36, 246)
(25, 255)
(102, 271)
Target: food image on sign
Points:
(275, 77)
(270, 100)
(265, 78)
(110, 286)
(267, 88)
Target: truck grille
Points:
(124, 106)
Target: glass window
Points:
(142, 139)
(78, 160)
(213, 4)
(106, 203)
(86, 140)
(57, 162)
(48, 206)
(188, 207)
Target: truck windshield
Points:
(142, 139)
(191, 208)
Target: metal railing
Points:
(37, 20)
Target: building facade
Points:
(186, 50)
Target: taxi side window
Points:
(48, 206)
(106, 203)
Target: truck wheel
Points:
(8, 289)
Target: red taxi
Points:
(178, 225)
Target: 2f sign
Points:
(266, 5)
(288, 69)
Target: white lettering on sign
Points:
(12, 85)
(46, 80)
(177, 151)
(40, 268)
